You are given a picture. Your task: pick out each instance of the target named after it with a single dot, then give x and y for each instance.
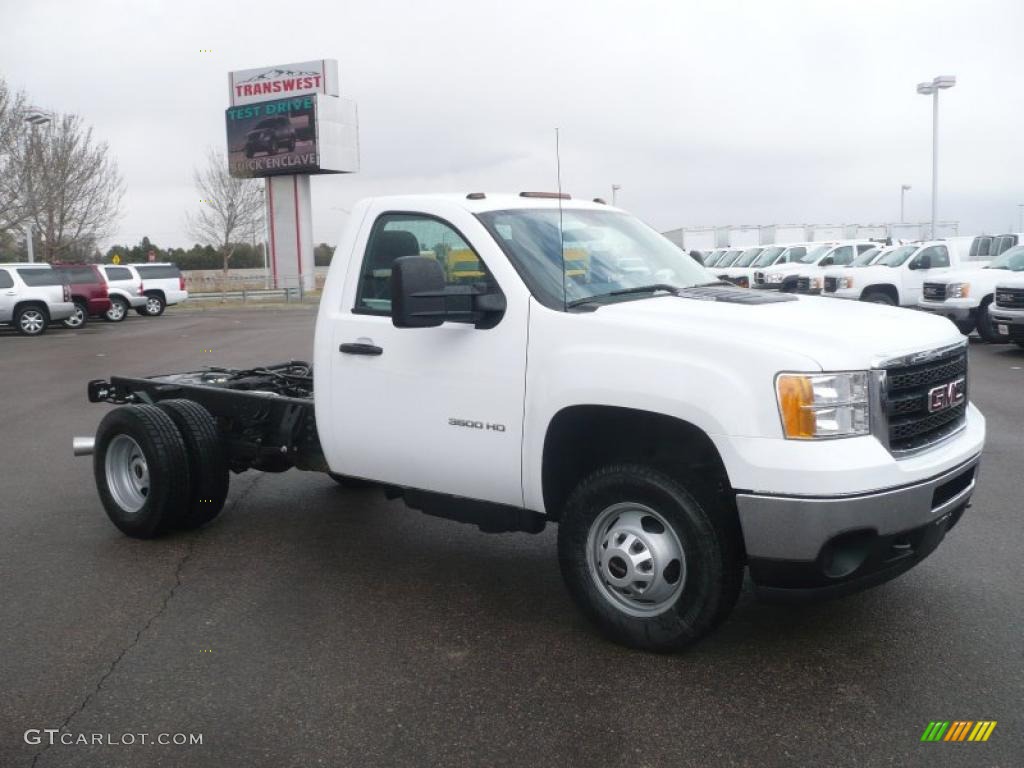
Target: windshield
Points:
(747, 257)
(621, 253)
(768, 256)
(712, 258)
(1012, 260)
(813, 255)
(729, 258)
(896, 256)
(865, 258)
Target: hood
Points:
(977, 275)
(838, 335)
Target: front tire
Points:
(31, 320)
(647, 563)
(987, 329)
(79, 318)
(118, 310)
(141, 470)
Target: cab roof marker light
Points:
(547, 195)
(476, 196)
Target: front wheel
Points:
(647, 563)
(80, 316)
(118, 310)
(987, 329)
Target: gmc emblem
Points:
(947, 395)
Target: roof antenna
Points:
(561, 236)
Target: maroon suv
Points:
(88, 292)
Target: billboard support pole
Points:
(290, 214)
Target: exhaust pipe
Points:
(83, 446)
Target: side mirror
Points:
(421, 299)
(922, 262)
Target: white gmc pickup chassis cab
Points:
(678, 429)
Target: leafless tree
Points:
(71, 186)
(12, 132)
(230, 209)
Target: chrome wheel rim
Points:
(153, 305)
(32, 321)
(127, 473)
(116, 311)
(636, 559)
(76, 319)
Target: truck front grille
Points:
(912, 425)
(1010, 298)
(803, 285)
(934, 291)
(831, 283)
(759, 278)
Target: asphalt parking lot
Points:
(309, 625)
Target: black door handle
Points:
(358, 348)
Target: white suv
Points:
(163, 285)
(32, 296)
(124, 286)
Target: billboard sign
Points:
(248, 86)
(301, 134)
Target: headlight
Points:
(958, 290)
(823, 405)
(774, 278)
(846, 282)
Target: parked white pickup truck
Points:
(678, 429)
(965, 295)
(897, 277)
(1008, 309)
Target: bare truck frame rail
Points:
(264, 415)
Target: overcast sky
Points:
(766, 111)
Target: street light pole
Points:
(615, 189)
(903, 192)
(34, 117)
(932, 89)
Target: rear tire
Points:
(80, 318)
(154, 306)
(879, 297)
(141, 470)
(118, 310)
(207, 466)
(986, 328)
(679, 571)
(31, 320)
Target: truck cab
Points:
(897, 278)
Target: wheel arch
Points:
(581, 438)
(888, 289)
(31, 303)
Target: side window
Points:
(939, 257)
(6, 281)
(842, 255)
(980, 246)
(796, 254)
(863, 248)
(118, 273)
(406, 234)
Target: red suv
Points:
(88, 292)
